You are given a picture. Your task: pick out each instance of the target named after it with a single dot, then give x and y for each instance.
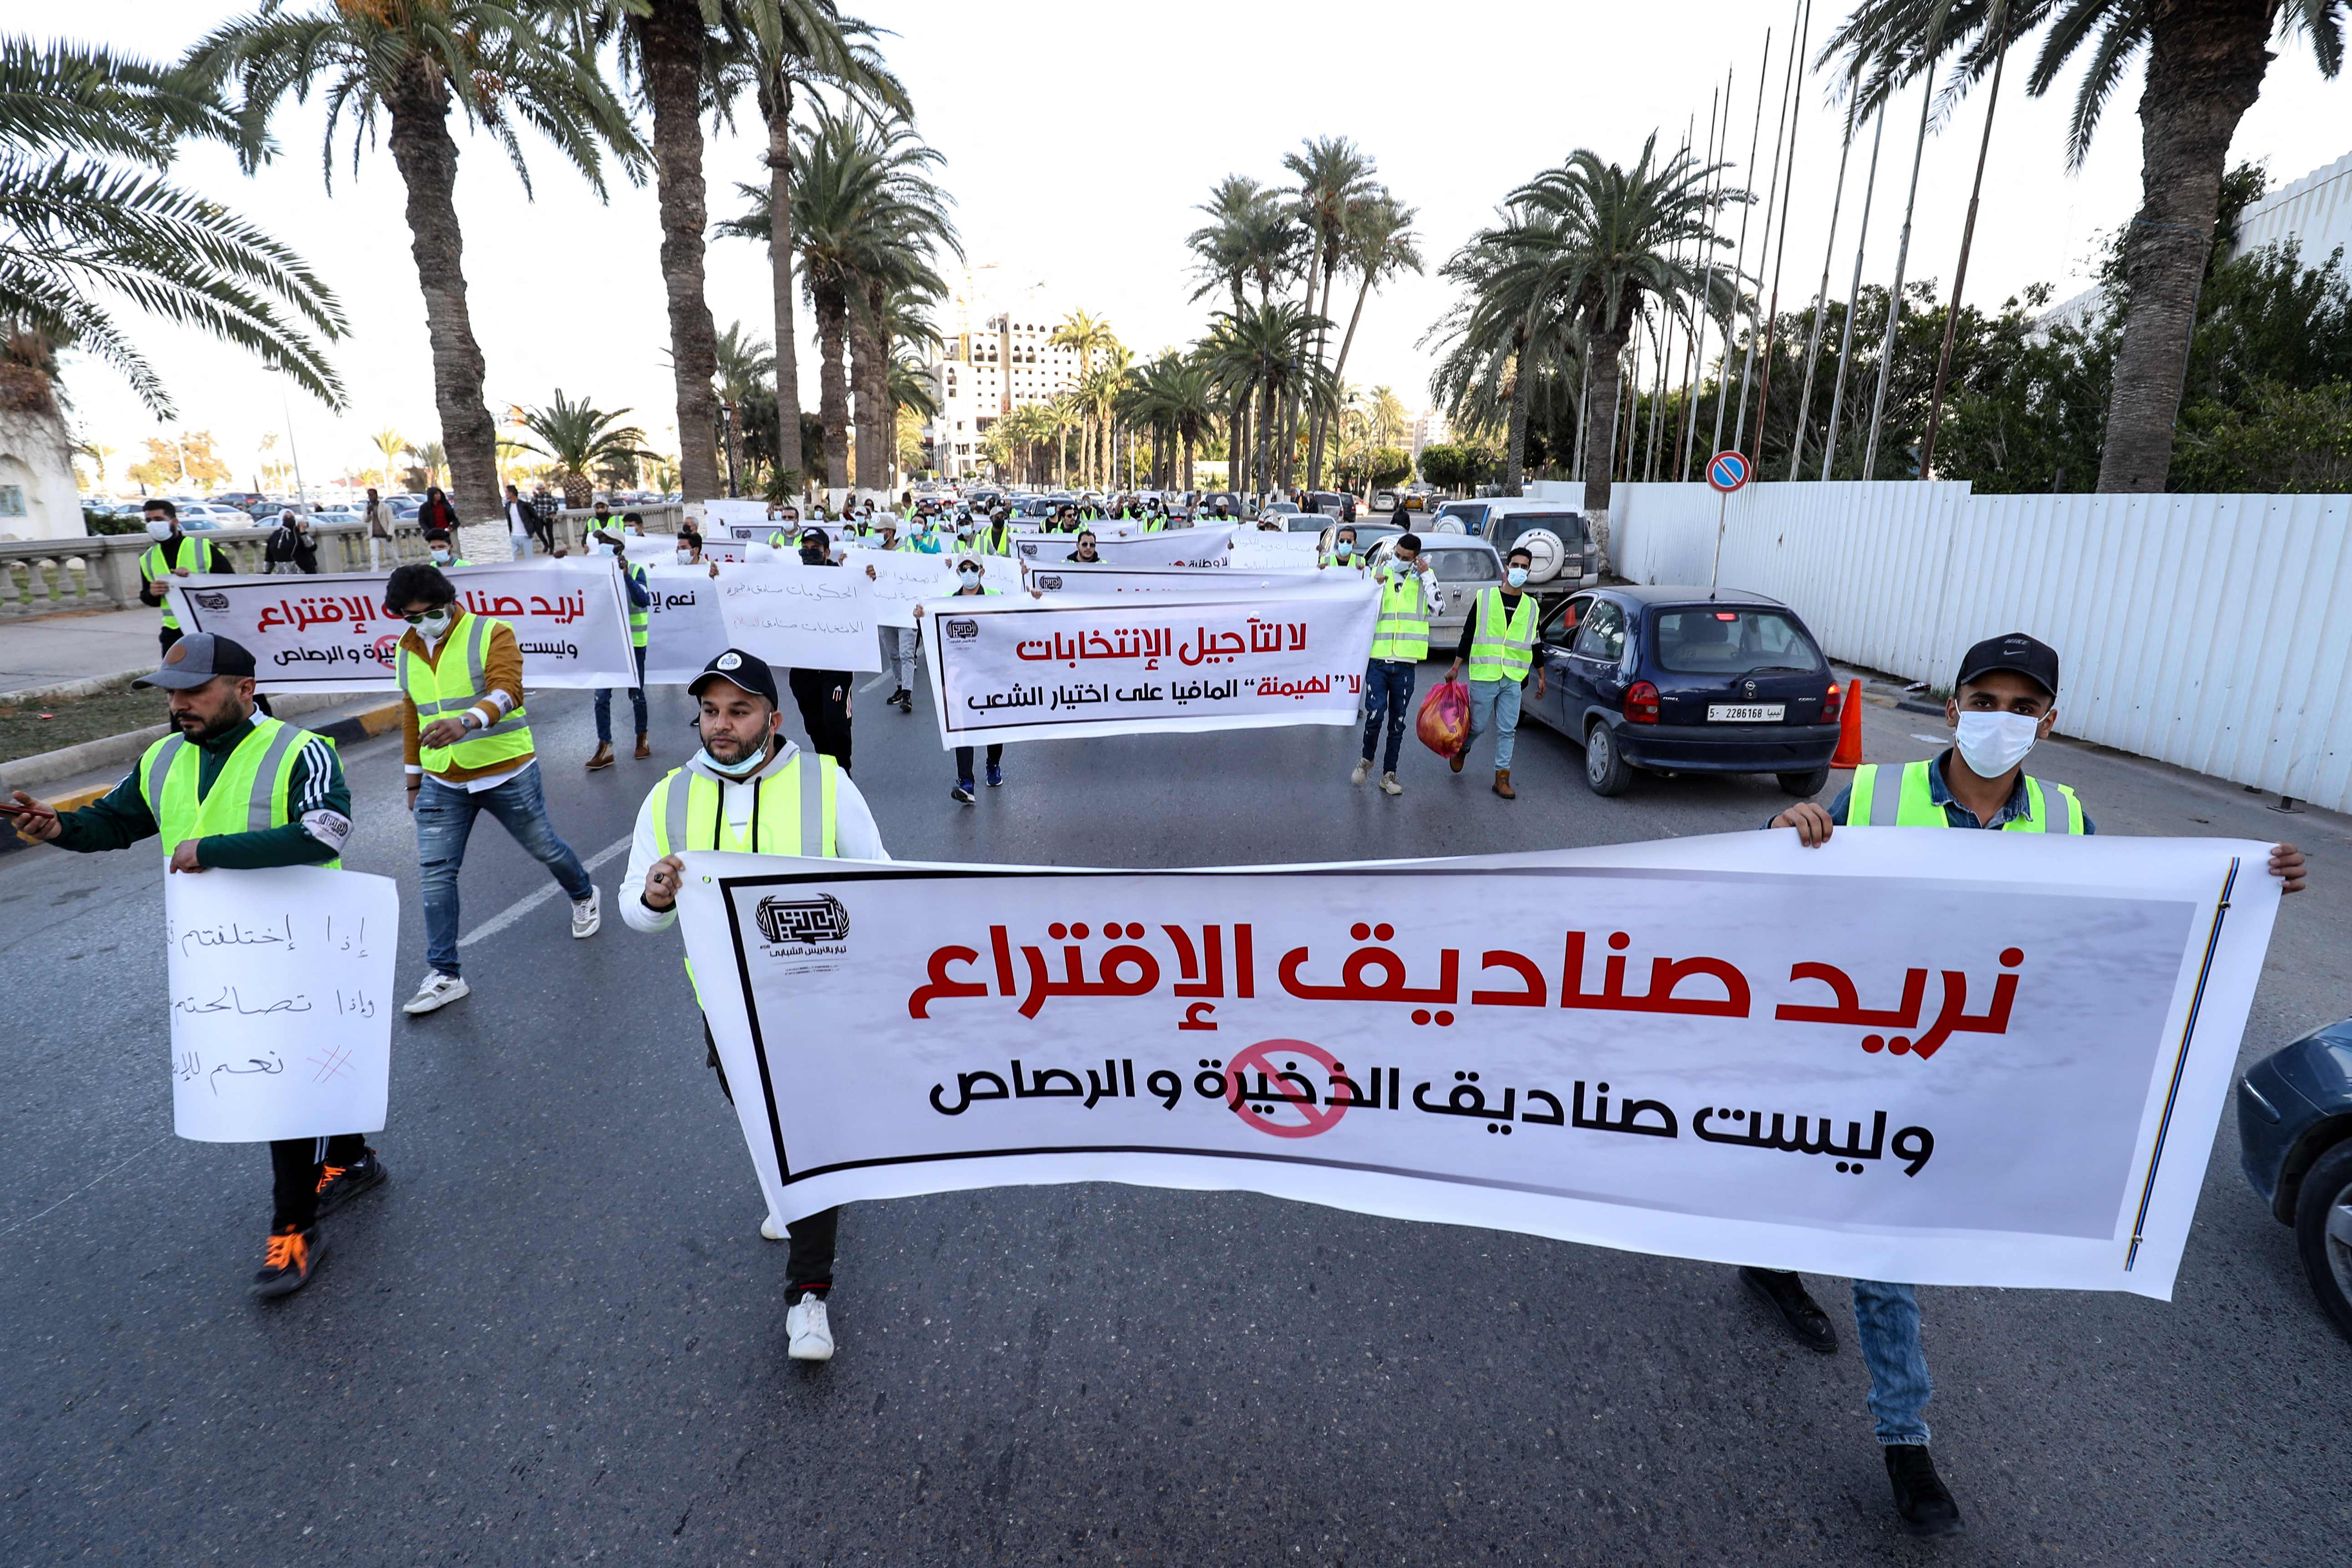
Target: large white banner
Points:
(904, 578)
(800, 617)
(727, 511)
(1951, 1058)
(330, 632)
(1080, 578)
(281, 1002)
(1171, 547)
(684, 630)
(1010, 667)
(1256, 551)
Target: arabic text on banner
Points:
(720, 513)
(331, 632)
(800, 617)
(281, 987)
(1174, 547)
(1950, 1058)
(1010, 667)
(684, 630)
(903, 579)
(1256, 551)
(1069, 578)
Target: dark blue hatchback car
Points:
(1688, 680)
(2295, 1121)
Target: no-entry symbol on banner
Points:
(1727, 471)
(1284, 1102)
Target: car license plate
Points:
(1745, 712)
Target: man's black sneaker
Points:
(1785, 1294)
(288, 1263)
(1920, 1497)
(338, 1184)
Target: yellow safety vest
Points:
(1912, 805)
(640, 616)
(248, 796)
(789, 808)
(1402, 632)
(1503, 647)
(155, 569)
(455, 685)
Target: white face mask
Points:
(970, 576)
(686, 557)
(1516, 576)
(744, 769)
(159, 529)
(434, 627)
(1992, 743)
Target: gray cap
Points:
(196, 658)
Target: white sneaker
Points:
(438, 991)
(810, 1335)
(1362, 770)
(770, 1231)
(588, 914)
(1388, 786)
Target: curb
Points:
(90, 755)
(91, 686)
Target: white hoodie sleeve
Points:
(643, 852)
(855, 835)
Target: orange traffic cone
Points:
(1849, 750)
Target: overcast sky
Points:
(1078, 138)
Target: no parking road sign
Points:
(1727, 471)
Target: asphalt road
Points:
(557, 1337)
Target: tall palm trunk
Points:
(2205, 65)
(776, 105)
(1515, 439)
(1319, 421)
(670, 44)
(871, 380)
(832, 389)
(1605, 354)
(427, 157)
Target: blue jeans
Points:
(1388, 687)
(1495, 705)
(1886, 1320)
(636, 705)
(444, 818)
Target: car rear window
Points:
(1567, 525)
(1464, 565)
(1732, 639)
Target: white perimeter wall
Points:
(2214, 632)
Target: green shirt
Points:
(119, 819)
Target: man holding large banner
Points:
(231, 789)
(749, 790)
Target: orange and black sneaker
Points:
(338, 1184)
(288, 1265)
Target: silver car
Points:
(1463, 566)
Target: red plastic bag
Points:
(1445, 721)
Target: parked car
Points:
(1281, 508)
(1671, 680)
(202, 517)
(1367, 535)
(1332, 503)
(1553, 534)
(2295, 1126)
(1463, 566)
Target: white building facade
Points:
(998, 356)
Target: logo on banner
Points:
(1051, 585)
(386, 650)
(803, 922)
(961, 628)
(209, 601)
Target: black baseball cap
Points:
(816, 539)
(736, 667)
(2029, 657)
(196, 658)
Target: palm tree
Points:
(744, 365)
(1334, 178)
(86, 225)
(582, 441)
(1099, 394)
(2206, 61)
(1267, 350)
(1623, 238)
(497, 64)
(778, 46)
(434, 459)
(1376, 244)
(1084, 334)
(1510, 321)
(1386, 413)
(394, 447)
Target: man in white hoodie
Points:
(751, 790)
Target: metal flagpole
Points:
(1821, 300)
(1740, 262)
(1772, 196)
(1901, 255)
(1853, 294)
(1781, 253)
(1719, 107)
(1968, 236)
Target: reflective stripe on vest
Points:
(249, 794)
(789, 809)
(1402, 631)
(639, 615)
(153, 566)
(1503, 647)
(434, 692)
(1911, 804)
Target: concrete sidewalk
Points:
(43, 650)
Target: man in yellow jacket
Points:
(467, 743)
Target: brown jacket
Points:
(501, 675)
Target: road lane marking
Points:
(876, 681)
(79, 1191)
(522, 907)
